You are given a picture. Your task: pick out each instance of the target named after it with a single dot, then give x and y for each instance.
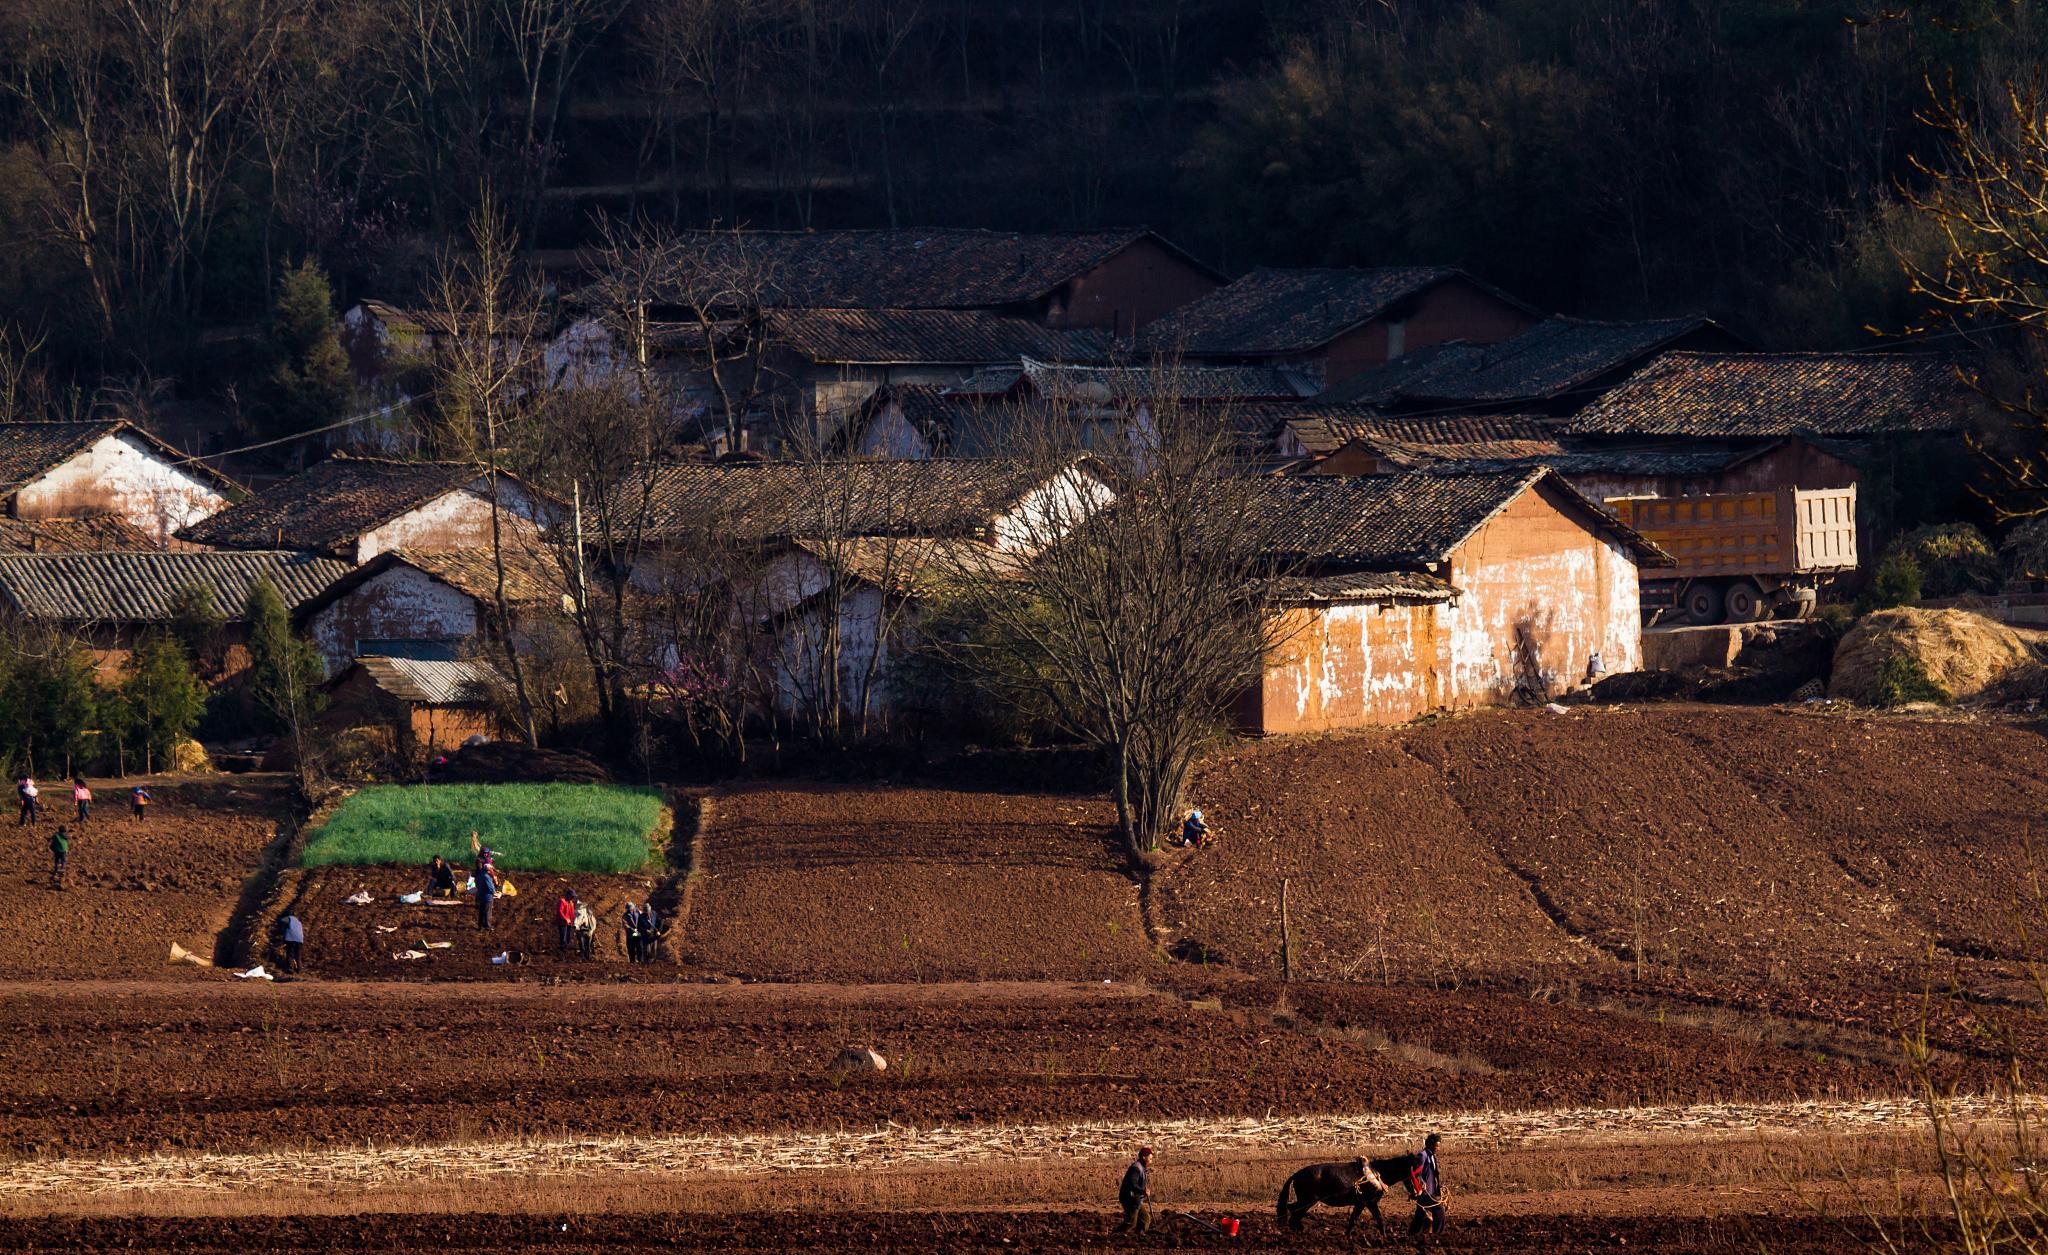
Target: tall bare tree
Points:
(1144, 621)
(486, 350)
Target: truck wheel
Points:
(1742, 602)
(1703, 603)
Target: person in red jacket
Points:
(565, 920)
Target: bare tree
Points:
(486, 347)
(548, 41)
(1142, 621)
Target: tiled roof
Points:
(918, 269)
(1325, 429)
(758, 502)
(1191, 383)
(80, 535)
(1407, 520)
(142, 587)
(334, 502)
(30, 450)
(1552, 358)
(434, 682)
(907, 563)
(1594, 460)
(1783, 394)
(1364, 586)
(529, 577)
(1288, 311)
(941, 336)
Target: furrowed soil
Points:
(133, 887)
(869, 884)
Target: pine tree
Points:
(312, 383)
(163, 699)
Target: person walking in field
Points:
(565, 920)
(60, 855)
(30, 804)
(81, 796)
(1135, 1194)
(138, 802)
(1426, 1187)
(486, 894)
(586, 931)
(650, 932)
(294, 943)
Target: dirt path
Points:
(894, 1147)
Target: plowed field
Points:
(912, 885)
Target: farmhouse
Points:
(356, 508)
(1753, 396)
(112, 599)
(1427, 591)
(423, 603)
(1555, 367)
(435, 704)
(71, 470)
(1334, 324)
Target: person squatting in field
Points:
(440, 878)
(1135, 1194)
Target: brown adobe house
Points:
(1337, 323)
(108, 467)
(432, 704)
(113, 599)
(1424, 591)
(355, 508)
(425, 604)
(1555, 367)
(1114, 281)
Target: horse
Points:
(1358, 1183)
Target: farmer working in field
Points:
(1135, 1194)
(1194, 831)
(294, 943)
(586, 931)
(440, 878)
(565, 920)
(60, 853)
(629, 928)
(82, 797)
(1427, 1188)
(650, 932)
(486, 893)
(30, 806)
(138, 802)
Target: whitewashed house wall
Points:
(122, 475)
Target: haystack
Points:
(1961, 652)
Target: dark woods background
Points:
(162, 162)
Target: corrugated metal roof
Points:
(434, 682)
(142, 587)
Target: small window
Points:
(1397, 338)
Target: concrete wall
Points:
(1358, 665)
(121, 475)
(1130, 289)
(399, 604)
(456, 520)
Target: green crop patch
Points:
(533, 827)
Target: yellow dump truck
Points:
(1744, 556)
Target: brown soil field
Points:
(872, 884)
(1062, 1230)
(350, 942)
(134, 888)
(222, 1064)
(1764, 847)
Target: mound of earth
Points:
(1963, 653)
(877, 884)
(134, 888)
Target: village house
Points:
(111, 600)
(1555, 367)
(356, 508)
(1844, 397)
(1334, 324)
(74, 470)
(432, 704)
(1422, 592)
(425, 604)
(830, 558)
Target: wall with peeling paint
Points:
(402, 604)
(456, 520)
(1539, 592)
(123, 476)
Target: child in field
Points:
(30, 806)
(82, 796)
(60, 853)
(138, 802)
